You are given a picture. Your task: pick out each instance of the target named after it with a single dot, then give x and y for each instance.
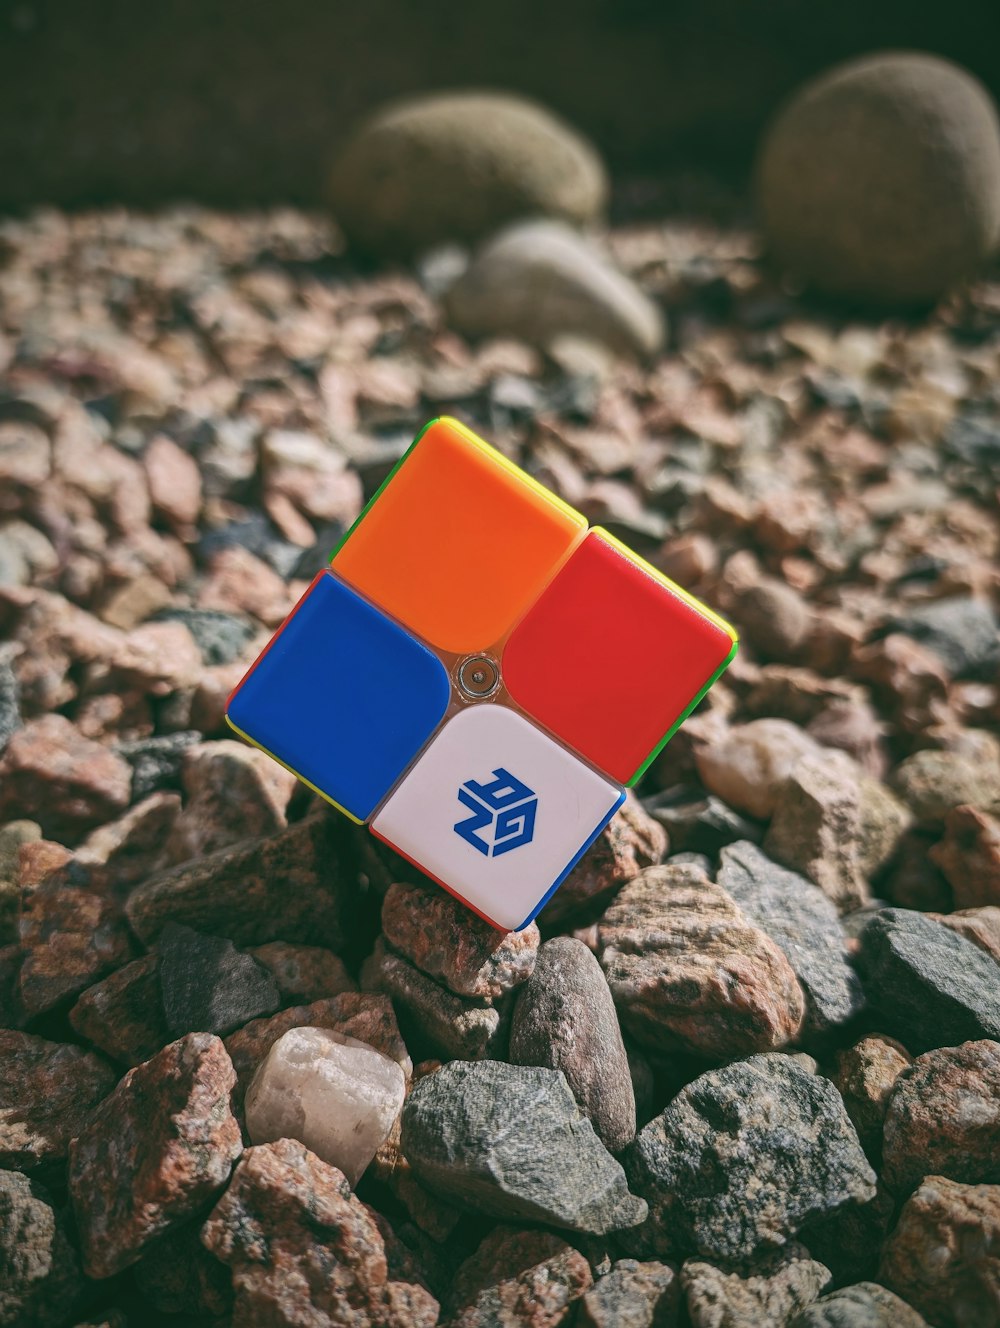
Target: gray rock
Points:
(221, 637)
(455, 165)
(509, 1140)
(699, 824)
(804, 923)
(934, 783)
(880, 180)
(539, 279)
(865, 1305)
(40, 1278)
(929, 986)
(156, 762)
(208, 986)
(632, 1295)
(744, 1157)
(963, 632)
(767, 1291)
(10, 703)
(565, 1019)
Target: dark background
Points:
(242, 101)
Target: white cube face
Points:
(497, 812)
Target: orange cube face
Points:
(461, 542)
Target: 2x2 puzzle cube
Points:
(477, 676)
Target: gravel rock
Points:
(934, 783)
(221, 637)
(688, 970)
(434, 1019)
(565, 1019)
(632, 1295)
(865, 1076)
(880, 179)
(744, 1157)
(156, 762)
(748, 768)
(699, 824)
(366, 1016)
(10, 703)
(289, 887)
(962, 632)
(944, 1255)
(131, 848)
(336, 1095)
(943, 1118)
(443, 939)
(208, 986)
(304, 973)
(804, 923)
(304, 1251)
(40, 1282)
(865, 1305)
(769, 1290)
(48, 1093)
(518, 1277)
(233, 793)
(54, 775)
(926, 984)
(122, 1015)
(538, 280)
(816, 826)
(177, 1275)
(979, 925)
(969, 857)
(12, 836)
(454, 165)
(510, 1141)
(157, 1150)
(629, 842)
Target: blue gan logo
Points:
(502, 809)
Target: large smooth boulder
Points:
(880, 180)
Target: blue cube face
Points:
(342, 696)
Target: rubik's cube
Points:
(477, 675)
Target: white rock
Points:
(336, 1095)
(538, 280)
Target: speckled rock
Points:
(749, 766)
(509, 1140)
(865, 1305)
(72, 930)
(716, 1164)
(688, 970)
(979, 925)
(291, 886)
(699, 824)
(131, 848)
(927, 985)
(969, 857)
(524, 1277)
(12, 836)
(943, 1118)
(933, 783)
(48, 1093)
(434, 1019)
(122, 1015)
(944, 1255)
(492, 156)
(157, 1150)
(804, 923)
(304, 1251)
(962, 632)
(879, 179)
(816, 826)
(629, 842)
(156, 762)
(232, 792)
(208, 986)
(565, 1019)
(865, 1075)
(540, 279)
(304, 973)
(40, 1282)
(770, 1290)
(53, 774)
(632, 1295)
(442, 938)
(221, 637)
(367, 1016)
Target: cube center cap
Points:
(478, 676)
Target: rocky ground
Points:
(746, 1069)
